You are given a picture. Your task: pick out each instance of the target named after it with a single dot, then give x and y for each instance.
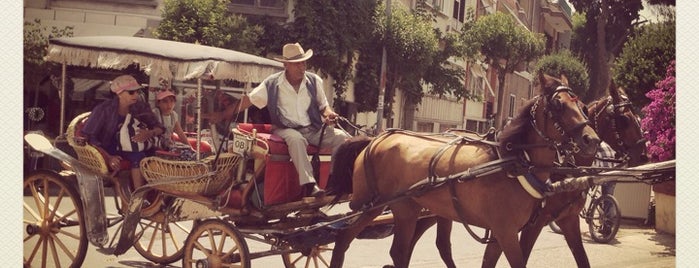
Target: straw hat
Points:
(294, 53)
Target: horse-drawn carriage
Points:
(202, 211)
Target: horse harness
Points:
(521, 164)
(615, 112)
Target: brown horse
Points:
(614, 120)
(406, 172)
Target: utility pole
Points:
(382, 85)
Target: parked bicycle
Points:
(603, 226)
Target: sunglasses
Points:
(132, 92)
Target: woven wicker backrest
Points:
(191, 176)
(87, 154)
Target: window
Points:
(424, 126)
(437, 4)
(259, 3)
(511, 113)
(459, 10)
(475, 86)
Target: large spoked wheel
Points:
(215, 243)
(54, 228)
(317, 256)
(160, 241)
(606, 218)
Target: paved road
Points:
(634, 246)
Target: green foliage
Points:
(502, 42)
(207, 22)
(564, 62)
(334, 30)
(620, 18)
(36, 43)
(414, 58)
(644, 60)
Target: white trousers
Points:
(297, 140)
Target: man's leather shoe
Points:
(312, 190)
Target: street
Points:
(635, 246)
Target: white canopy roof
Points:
(161, 58)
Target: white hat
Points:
(294, 53)
(124, 82)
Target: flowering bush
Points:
(659, 121)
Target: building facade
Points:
(434, 114)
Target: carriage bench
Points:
(281, 184)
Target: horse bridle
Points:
(616, 113)
(552, 113)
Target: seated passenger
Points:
(166, 115)
(123, 126)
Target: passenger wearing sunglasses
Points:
(107, 119)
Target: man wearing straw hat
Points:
(298, 107)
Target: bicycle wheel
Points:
(54, 227)
(554, 227)
(605, 219)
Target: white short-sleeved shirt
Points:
(292, 105)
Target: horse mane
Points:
(516, 131)
(340, 180)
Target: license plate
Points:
(241, 143)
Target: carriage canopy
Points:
(161, 58)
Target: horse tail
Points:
(340, 179)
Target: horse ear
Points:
(546, 81)
(614, 92)
(564, 80)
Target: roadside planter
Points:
(665, 207)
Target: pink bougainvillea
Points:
(659, 121)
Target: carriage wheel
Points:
(215, 243)
(317, 256)
(54, 229)
(161, 243)
(604, 226)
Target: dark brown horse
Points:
(407, 171)
(615, 122)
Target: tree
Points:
(207, 22)
(503, 45)
(36, 70)
(564, 62)
(600, 37)
(414, 59)
(660, 119)
(643, 60)
(335, 30)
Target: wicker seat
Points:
(87, 154)
(199, 177)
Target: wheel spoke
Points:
(62, 246)
(53, 208)
(54, 254)
(201, 248)
(212, 242)
(174, 240)
(31, 211)
(36, 249)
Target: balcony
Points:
(557, 13)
